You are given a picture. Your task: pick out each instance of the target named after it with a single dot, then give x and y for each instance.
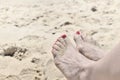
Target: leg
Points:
(108, 68)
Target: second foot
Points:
(88, 47)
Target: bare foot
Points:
(88, 47)
(71, 63)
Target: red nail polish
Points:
(78, 32)
(64, 36)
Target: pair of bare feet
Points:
(76, 63)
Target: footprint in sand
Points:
(32, 74)
(14, 51)
(12, 77)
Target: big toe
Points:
(81, 38)
(78, 38)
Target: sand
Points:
(28, 29)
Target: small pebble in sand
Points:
(93, 9)
(35, 60)
(66, 23)
(53, 33)
(55, 28)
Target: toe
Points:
(78, 37)
(67, 41)
(56, 47)
(61, 41)
(59, 44)
(64, 40)
(54, 52)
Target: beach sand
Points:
(28, 29)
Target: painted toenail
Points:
(64, 36)
(78, 32)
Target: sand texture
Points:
(28, 29)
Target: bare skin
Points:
(75, 66)
(85, 46)
(88, 47)
(108, 68)
(71, 63)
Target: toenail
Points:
(64, 36)
(78, 32)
